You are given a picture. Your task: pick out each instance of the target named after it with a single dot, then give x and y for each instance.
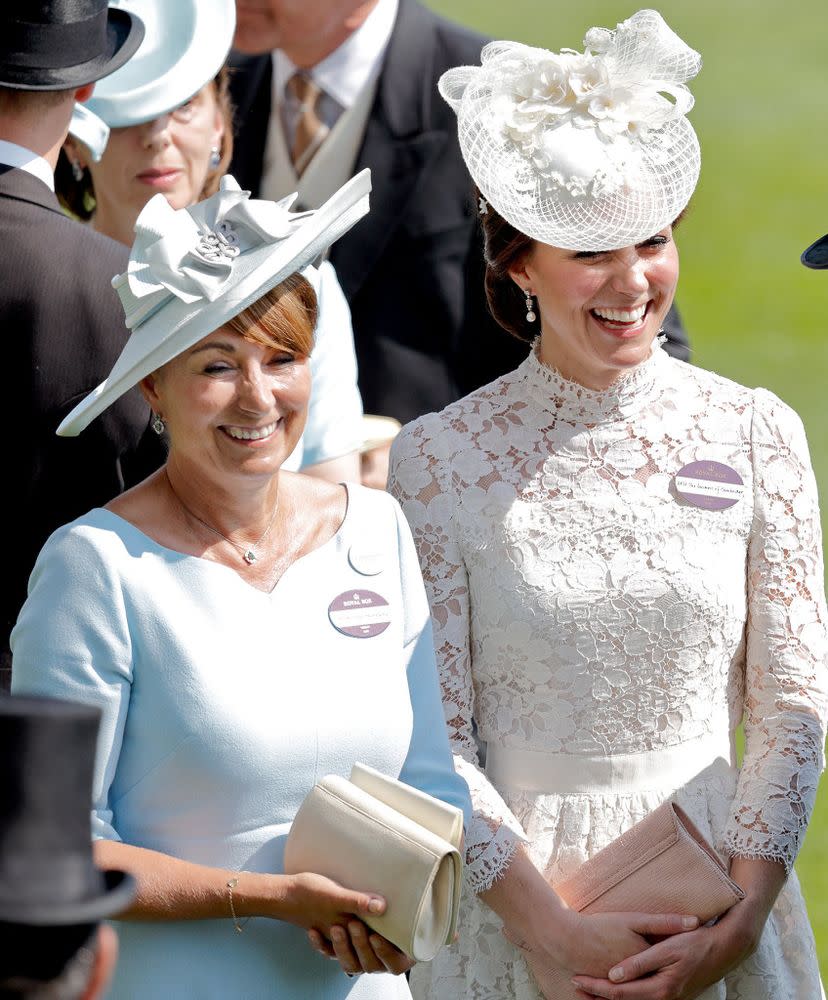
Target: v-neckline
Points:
(332, 541)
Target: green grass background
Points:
(753, 312)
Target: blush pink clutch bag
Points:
(661, 865)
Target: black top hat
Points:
(816, 256)
(47, 876)
(61, 44)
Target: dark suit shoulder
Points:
(461, 45)
(57, 286)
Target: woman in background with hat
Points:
(622, 552)
(164, 124)
(206, 613)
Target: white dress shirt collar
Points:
(347, 70)
(24, 159)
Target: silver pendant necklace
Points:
(248, 552)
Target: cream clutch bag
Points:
(377, 834)
(661, 865)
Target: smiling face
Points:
(233, 407)
(170, 155)
(600, 312)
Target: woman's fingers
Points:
(663, 924)
(625, 980)
(320, 902)
(586, 986)
(394, 960)
(359, 903)
(372, 905)
(344, 951)
(368, 959)
(644, 962)
(320, 943)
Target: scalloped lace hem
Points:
(732, 849)
(491, 865)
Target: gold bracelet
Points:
(231, 885)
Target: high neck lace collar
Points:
(573, 401)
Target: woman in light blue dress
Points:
(244, 630)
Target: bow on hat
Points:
(191, 254)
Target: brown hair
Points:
(504, 247)
(78, 196)
(15, 102)
(283, 318)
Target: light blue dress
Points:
(222, 705)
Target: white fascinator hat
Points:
(583, 150)
(193, 269)
(186, 42)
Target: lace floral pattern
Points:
(582, 606)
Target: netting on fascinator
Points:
(582, 150)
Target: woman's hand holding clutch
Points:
(556, 940)
(593, 941)
(359, 949)
(682, 967)
(331, 915)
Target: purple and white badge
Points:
(709, 485)
(360, 613)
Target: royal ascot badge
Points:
(361, 614)
(709, 485)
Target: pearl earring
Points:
(215, 157)
(530, 307)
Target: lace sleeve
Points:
(420, 480)
(785, 682)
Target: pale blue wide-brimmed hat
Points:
(193, 269)
(186, 42)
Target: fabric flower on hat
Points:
(611, 89)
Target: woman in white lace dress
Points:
(622, 552)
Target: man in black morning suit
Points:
(412, 269)
(61, 320)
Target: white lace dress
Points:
(605, 633)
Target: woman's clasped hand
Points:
(592, 941)
(681, 967)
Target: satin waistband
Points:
(576, 774)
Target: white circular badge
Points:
(366, 561)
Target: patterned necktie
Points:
(310, 130)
